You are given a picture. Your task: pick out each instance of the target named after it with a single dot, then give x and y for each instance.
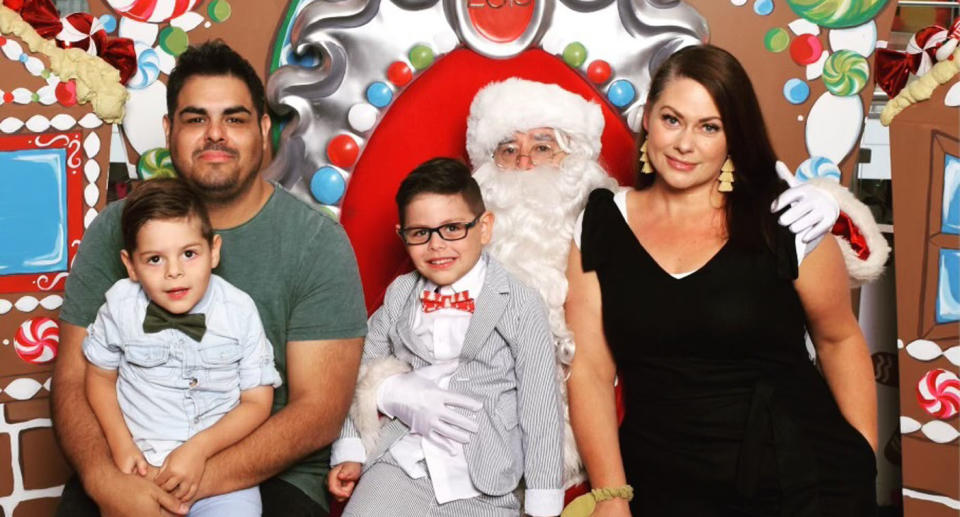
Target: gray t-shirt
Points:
(296, 264)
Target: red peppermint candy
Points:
(37, 340)
(939, 393)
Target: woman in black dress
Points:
(691, 293)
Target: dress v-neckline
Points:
(644, 252)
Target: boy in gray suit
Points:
(480, 346)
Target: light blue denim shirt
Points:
(170, 387)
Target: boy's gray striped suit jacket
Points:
(507, 363)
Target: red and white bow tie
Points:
(431, 301)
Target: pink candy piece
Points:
(37, 340)
(939, 393)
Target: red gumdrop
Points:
(8, 97)
(805, 49)
(399, 73)
(343, 151)
(66, 93)
(599, 71)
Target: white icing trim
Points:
(30, 303)
(933, 498)
(19, 493)
(936, 431)
(926, 350)
(39, 123)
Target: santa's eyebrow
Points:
(544, 137)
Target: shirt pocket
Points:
(221, 362)
(148, 358)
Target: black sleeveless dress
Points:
(725, 413)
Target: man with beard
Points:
(535, 150)
(294, 262)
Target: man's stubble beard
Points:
(223, 192)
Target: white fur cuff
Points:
(363, 411)
(861, 271)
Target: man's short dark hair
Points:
(214, 58)
(440, 176)
(161, 199)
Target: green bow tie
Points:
(157, 319)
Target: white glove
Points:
(427, 409)
(812, 211)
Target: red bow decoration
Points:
(894, 67)
(432, 301)
(78, 30)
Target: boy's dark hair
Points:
(213, 58)
(161, 199)
(440, 176)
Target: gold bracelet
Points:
(621, 492)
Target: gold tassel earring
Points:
(726, 176)
(645, 168)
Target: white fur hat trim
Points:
(502, 108)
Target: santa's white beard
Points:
(535, 214)
(536, 211)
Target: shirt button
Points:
(196, 420)
(193, 382)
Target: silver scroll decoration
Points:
(356, 40)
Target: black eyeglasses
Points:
(416, 235)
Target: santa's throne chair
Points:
(378, 87)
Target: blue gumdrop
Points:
(796, 91)
(327, 185)
(109, 23)
(621, 93)
(379, 94)
(763, 7)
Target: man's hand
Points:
(181, 471)
(812, 211)
(342, 479)
(427, 409)
(129, 459)
(134, 495)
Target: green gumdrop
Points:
(156, 163)
(421, 56)
(219, 10)
(776, 40)
(575, 54)
(174, 40)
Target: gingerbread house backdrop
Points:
(362, 91)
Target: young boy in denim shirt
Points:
(180, 367)
(482, 357)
